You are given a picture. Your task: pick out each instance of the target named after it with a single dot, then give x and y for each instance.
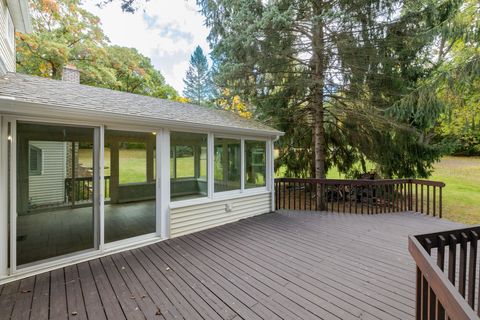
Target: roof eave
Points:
(11, 106)
(20, 15)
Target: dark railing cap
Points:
(362, 181)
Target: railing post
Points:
(440, 203)
(418, 300)
(416, 197)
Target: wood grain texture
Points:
(284, 265)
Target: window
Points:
(227, 165)
(35, 160)
(188, 165)
(255, 164)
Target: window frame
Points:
(266, 164)
(207, 177)
(228, 192)
(39, 170)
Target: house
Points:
(86, 172)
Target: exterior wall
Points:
(7, 52)
(49, 187)
(203, 216)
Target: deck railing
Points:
(447, 278)
(360, 196)
(81, 189)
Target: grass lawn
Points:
(461, 196)
(133, 164)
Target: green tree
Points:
(198, 84)
(135, 73)
(457, 81)
(65, 33)
(328, 73)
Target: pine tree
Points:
(198, 84)
(327, 72)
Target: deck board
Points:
(285, 265)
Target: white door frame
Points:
(13, 195)
(3, 198)
(163, 183)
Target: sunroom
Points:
(87, 171)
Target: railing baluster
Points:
(350, 198)
(422, 199)
(390, 198)
(441, 265)
(402, 197)
(463, 264)
(452, 258)
(425, 293)
(434, 201)
(472, 268)
(294, 195)
(440, 203)
(361, 199)
(356, 198)
(418, 300)
(428, 200)
(416, 197)
(305, 195)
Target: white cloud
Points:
(166, 31)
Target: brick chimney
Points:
(70, 73)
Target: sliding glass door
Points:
(55, 191)
(130, 179)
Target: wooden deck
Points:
(289, 265)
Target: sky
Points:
(166, 31)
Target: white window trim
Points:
(3, 198)
(163, 183)
(267, 165)
(221, 194)
(13, 196)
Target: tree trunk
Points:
(318, 81)
(319, 142)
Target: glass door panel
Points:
(55, 191)
(130, 177)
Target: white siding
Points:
(7, 52)
(194, 218)
(49, 187)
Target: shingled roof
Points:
(42, 91)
